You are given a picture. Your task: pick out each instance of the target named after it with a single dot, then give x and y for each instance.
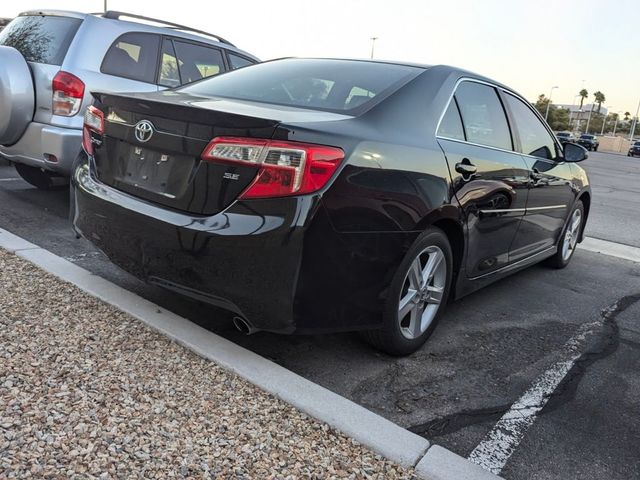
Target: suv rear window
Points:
(134, 56)
(41, 39)
(329, 85)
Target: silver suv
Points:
(52, 60)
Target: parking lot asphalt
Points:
(616, 197)
(485, 354)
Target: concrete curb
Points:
(442, 464)
(618, 250)
(368, 428)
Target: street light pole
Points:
(615, 125)
(373, 44)
(635, 123)
(546, 115)
(604, 121)
(586, 130)
(105, 6)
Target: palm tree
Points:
(600, 98)
(583, 94)
(626, 116)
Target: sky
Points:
(529, 45)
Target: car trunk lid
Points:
(152, 147)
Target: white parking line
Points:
(499, 444)
(13, 179)
(619, 250)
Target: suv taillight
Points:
(93, 122)
(68, 91)
(284, 168)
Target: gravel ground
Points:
(86, 391)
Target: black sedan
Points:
(590, 142)
(312, 195)
(634, 149)
(565, 137)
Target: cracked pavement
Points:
(486, 352)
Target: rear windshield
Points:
(563, 134)
(331, 85)
(587, 137)
(41, 39)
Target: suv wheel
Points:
(39, 178)
(417, 295)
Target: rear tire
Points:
(416, 296)
(37, 177)
(569, 238)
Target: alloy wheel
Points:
(422, 292)
(571, 235)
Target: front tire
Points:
(416, 296)
(569, 238)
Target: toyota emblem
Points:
(144, 131)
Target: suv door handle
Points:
(465, 167)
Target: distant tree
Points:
(583, 94)
(541, 104)
(626, 116)
(600, 99)
(558, 118)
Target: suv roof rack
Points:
(115, 15)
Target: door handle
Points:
(465, 167)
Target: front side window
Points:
(483, 117)
(41, 39)
(451, 125)
(197, 62)
(535, 139)
(134, 56)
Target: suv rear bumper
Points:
(41, 141)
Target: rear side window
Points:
(534, 137)
(236, 61)
(197, 62)
(483, 117)
(451, 125)
(41, 39)
(319, 84)
(134, 56)
(169, 75)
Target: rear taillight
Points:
(284, 168)
(68, 91)
(93, 122)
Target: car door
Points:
(490, 179)
(552, 193)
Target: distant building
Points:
(574, 110)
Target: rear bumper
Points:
(245, 259)
(40, 141)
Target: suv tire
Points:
(37, 177)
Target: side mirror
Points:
(573, 152)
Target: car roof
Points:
(142, 27)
